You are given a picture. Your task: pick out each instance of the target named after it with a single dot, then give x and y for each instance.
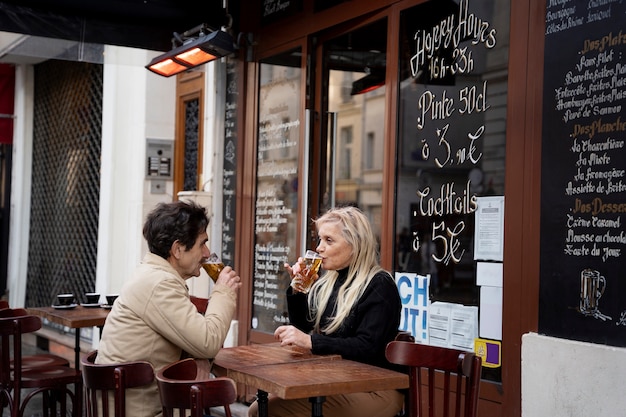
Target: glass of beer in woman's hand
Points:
(213, 265)
(305, 271)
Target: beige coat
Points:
(153, 320)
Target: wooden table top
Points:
(291, 374)
(319, 378)
(74, 318)
(264, 354)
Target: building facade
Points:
(482, 138)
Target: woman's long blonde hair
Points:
(364, 265)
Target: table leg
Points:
(77, 349)
(261, 399)
(316, 406)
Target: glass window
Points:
(451, 138)
(355, 95)
(276, 207)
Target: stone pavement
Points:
(34, 409)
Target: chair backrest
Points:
(4, 304)
(442, 366)
(200, 303)
(8, 330)
(102, 380)
(12, 325)
(181, 390)
(404, 336)
(12, 312)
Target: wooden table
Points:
(290, 374)
(74, 318)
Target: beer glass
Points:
(309, 268)
(213, 265)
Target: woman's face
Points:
(335, 250)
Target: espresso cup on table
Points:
(111, 298)
(65, 299)
(92, 297)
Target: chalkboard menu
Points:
(276, 204)
(450, 169)
(450, 140)
(230, 164)
(583, 187)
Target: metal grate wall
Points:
(67, 136)
(192, 129)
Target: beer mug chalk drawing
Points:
(592, 286)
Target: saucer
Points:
(108, 307)
(67, 307)
(90, 305)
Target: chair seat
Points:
(43, 360)
(49, 377)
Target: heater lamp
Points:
(192, 53)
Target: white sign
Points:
(489, 225)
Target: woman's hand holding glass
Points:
(304, 272)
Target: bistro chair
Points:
(442, 367)
(104, 383)
(200, 303)
(41, 360)
(51, 381)
(181, 390)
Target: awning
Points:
(145, 24)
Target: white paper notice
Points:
(491, 312)
(453, 325)
(464, 327)
(489, 225)
(439, 324)
(489, 273)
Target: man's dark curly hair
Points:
(169, 222)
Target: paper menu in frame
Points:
(489, 225)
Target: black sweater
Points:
(372, 323)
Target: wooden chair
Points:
(54, 380)
(200, 303)
(404, 336)
(103, 380)
(441, 365)
(41, 360)
(181, 389)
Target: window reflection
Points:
(356, 96)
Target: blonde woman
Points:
(353, 310)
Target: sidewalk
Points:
(34, 409)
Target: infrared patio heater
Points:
(192, 48)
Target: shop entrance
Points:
(351, 107)
(316, 150)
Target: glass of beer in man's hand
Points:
(305, 271)
(213, 265)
